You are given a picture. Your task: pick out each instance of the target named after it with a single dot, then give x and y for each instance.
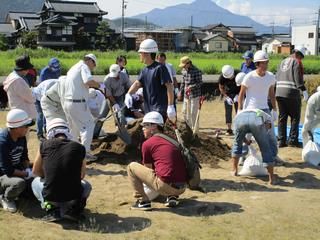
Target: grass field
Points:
(240, 208)
(210, 63)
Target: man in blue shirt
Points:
(14, 161)
(248, 65)
(52, 71)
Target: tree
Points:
(29, 39)
(3, 42)
(106, 38)
(82, 39)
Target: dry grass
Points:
(232, 208)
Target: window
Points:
(310, 35)
(57, 31)
(90, 20)
(218, 44)
(49, 30)
(67, 30)
(78, 14)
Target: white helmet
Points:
(114, 70)
(301, 49)
(239, 78)
(92, 93)
(153, 117)
(260, 56)
(148, 46)
(93, 57)
(227, 71)
(18, 118)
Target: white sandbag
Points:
(151, 193)
(253, 165)
(311, 153)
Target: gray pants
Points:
(11, 187)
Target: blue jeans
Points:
(41, 121)
(37, 187)
(272, 136)
(249, 122)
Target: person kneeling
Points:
(163, 168)
(60, 168)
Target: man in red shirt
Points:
(163, 168)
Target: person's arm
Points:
(170, 93)
(241, 96)
(83, 169)
(222, 90)
(38, 165)
(87, 78)
(272, 97)
(21, 87)
(298, 75)
(134, 87)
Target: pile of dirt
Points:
(207, 148)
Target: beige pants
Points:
(190, 110)
(139, 174)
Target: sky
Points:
(266, 12)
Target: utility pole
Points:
(272, 27)
(146, 22)
(317, 34)
(124, 6)
(290, 26)
(191, 22)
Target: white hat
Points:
(18, 118)
(227, 71)
(153, 117)
(239, 78)
(260, 56)
(301, 49)
(114, 70)
(148, 46)
(93, 57)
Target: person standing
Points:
(19, 93)
(52, 71)
(75, 101)
(15, 168)
(229, 89)
(289, 86)
(248, 65)
(190, 90)
(156, 83)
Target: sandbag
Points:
(151, 193)
(253, 164)
(311, 153)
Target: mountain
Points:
(130, 23)
(19, 6)
(203, 12)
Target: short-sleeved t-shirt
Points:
(165, 158)
(257, 89)
(74, 84)
(153, 79)
(62, 162)
(229, 84)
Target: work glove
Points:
(252, 150)
(235, 99)
(171, 113)
(135, 97)
(229, 101)
(128, 100)
(102, 88)
(116, 107)
(305, 95)
(30, 173)
(274, 115)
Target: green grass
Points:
(208, 63)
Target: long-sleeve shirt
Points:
(192, 79)
(48, 73)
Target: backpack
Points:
(192, 164)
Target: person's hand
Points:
(102, 87)
(116, 107)
(171, 113)
(229, 101)
(274, 115)
(128, 100)
(235, 99)
(305, 95)
(30, 173)
(179, 96)
(135, 97)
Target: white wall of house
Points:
(217, 44)
(305, 36)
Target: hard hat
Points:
(239, 78)
(92, 93)
(183, 61)
(18, 118)
(260, 56)
(247, 55)
(318, 89)
(227, 71)
(153, 117)
(55, 123)
(114, 70)
(300, 49)
(148, 46)
(93, 57)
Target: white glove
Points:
(171, 113)
(229, 101)
(305, 95)
(274, 115)
(135, 97)
(249, 136)
(176, 91)
(252, 150)
(116, 107)
(102, 87)
(128, 100)
(235, 99)
(30, 173)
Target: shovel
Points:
(122, 131)
(196, 125)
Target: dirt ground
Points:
(231, 208)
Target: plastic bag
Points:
(253, 165)
(151, 193)
(311, 153)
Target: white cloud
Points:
(239, 7)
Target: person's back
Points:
(117, 87)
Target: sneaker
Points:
(229, 132)
(52, 215)
(172, 201)
(9, 206)
(91, 158)
(144, 206)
